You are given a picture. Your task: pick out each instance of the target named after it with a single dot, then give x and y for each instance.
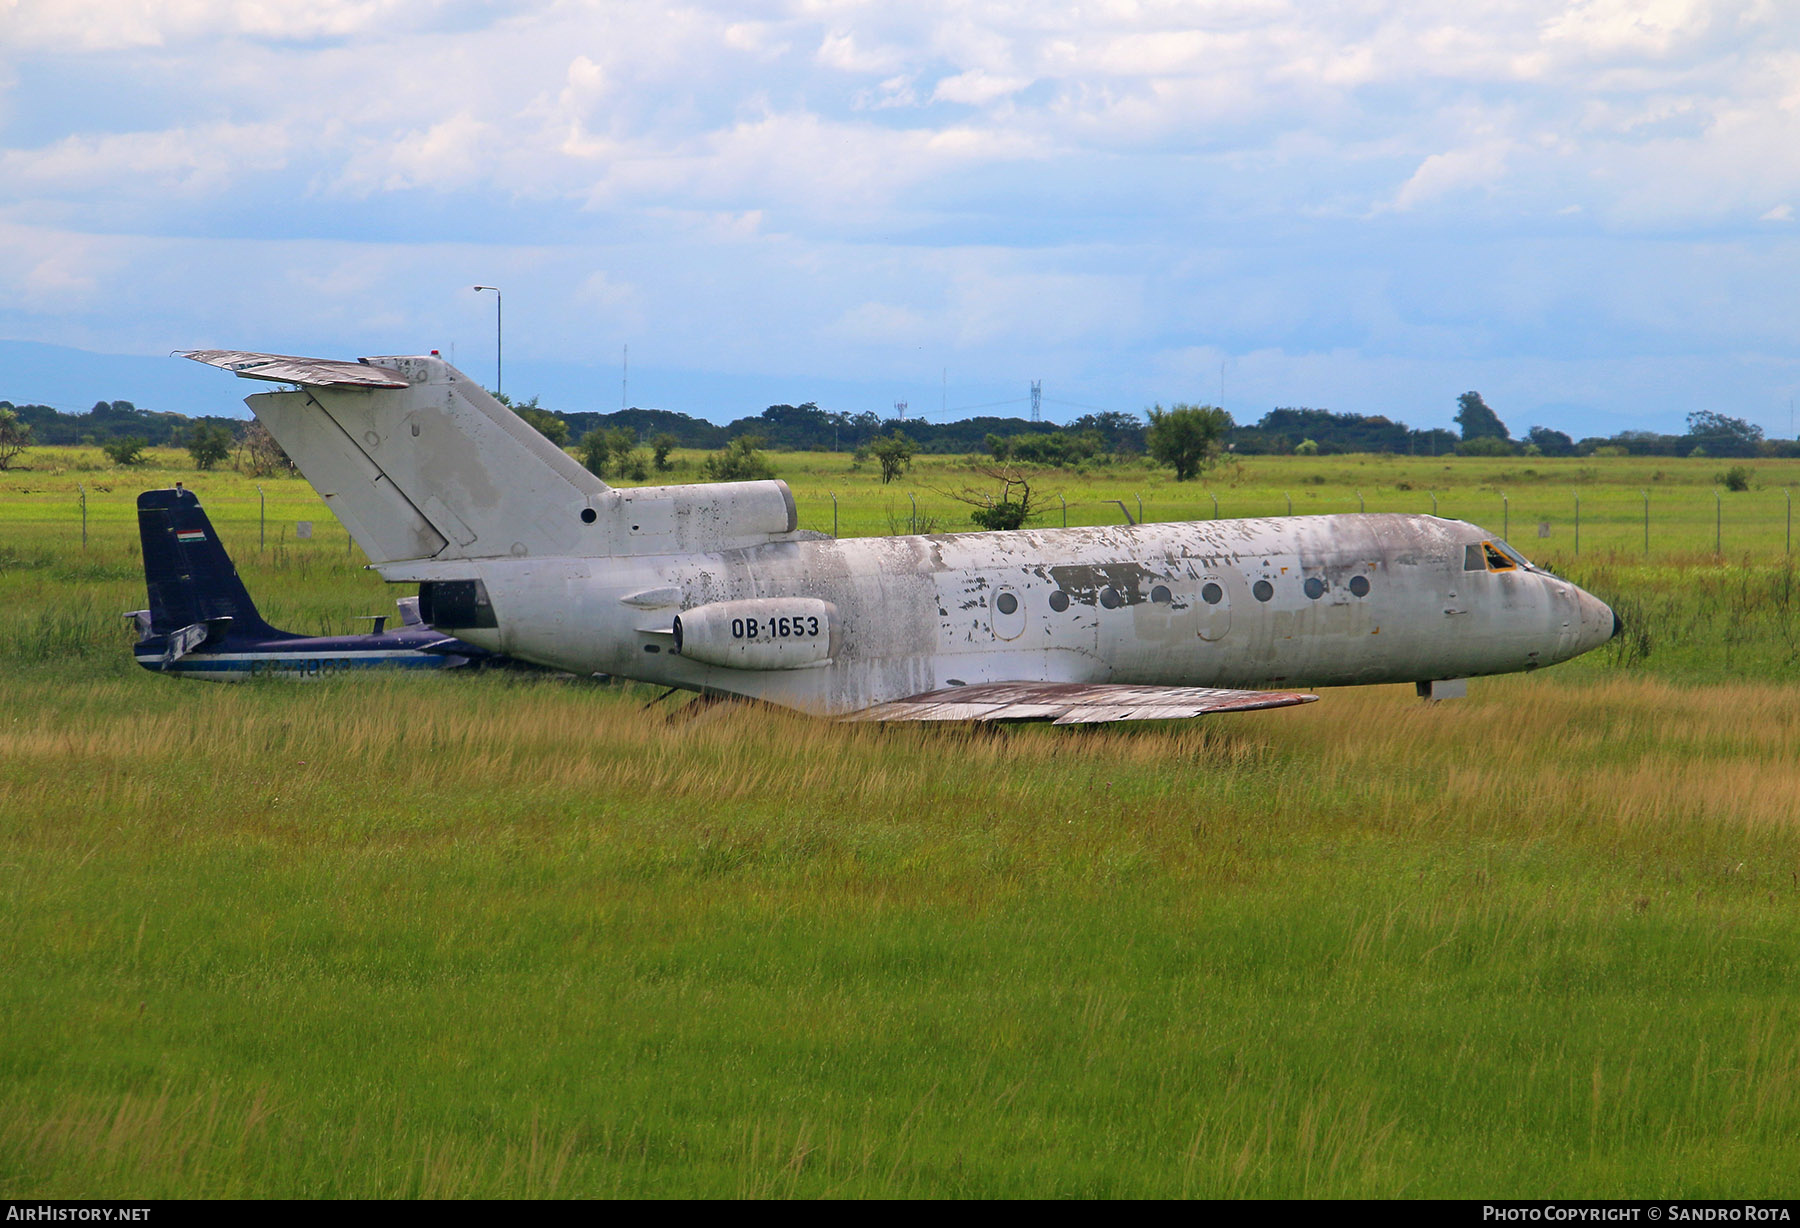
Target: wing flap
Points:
(288, 369)
(1074, 703)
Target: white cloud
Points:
(977, 87)
(893, 92)
(1476, 166)
(178, 160)
(457, 151)
(1000, 180)
(107, 25)
(840, 50)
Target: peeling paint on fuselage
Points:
(918, 612)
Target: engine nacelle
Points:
(759, 633)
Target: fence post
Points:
(834, 531)
(1434, 503)
(1290, 500)
(1215, 500)
(913, 527)
(1140, 500)
(1505, 516)
(1360, 506)
(83, 489)
(1065, 503)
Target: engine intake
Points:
(759, 633)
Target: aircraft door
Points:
(1212, 606)
(1008, 613)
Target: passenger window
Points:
(1109, 597)
(1006, 603)
(1059, 601)
(1160, 594)
(1359, 585)
(1212, 594)
(1262, 590)
(1315, 587)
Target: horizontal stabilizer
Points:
(288, 369)
(446, 647)
(1074, 703)
(191, 637)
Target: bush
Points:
(1003, 516)
(1735, 478)
(739, 462)
(126, 451)
(1307, 447)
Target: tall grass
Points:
(496, 937)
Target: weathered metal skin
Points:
(919, 614)
(439, 482)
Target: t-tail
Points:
(428, 472)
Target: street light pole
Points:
(499, 371)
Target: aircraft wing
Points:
(287, 369)
(1073, 703)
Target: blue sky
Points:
(1587, 211)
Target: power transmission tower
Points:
(1037, 400)
(900, 409)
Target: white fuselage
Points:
(710, 587)
(1292, 602)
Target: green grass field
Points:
(510, 936)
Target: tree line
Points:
(615, 442)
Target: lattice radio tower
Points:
(1037, 400)
(900, 410)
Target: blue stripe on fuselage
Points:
(237, 666)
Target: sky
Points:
(1586, 211)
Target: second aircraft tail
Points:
(190, 577)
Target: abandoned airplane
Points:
(202, 624)
(714, 587)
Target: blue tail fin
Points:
(189, 575)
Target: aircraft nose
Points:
(1596, 622)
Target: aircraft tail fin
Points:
(418, 461)
(190, 577)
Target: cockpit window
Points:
(1517, 558)
(1486, 556)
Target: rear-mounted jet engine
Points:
(759, 633)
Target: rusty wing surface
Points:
(1074, 703)
(288, 369)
